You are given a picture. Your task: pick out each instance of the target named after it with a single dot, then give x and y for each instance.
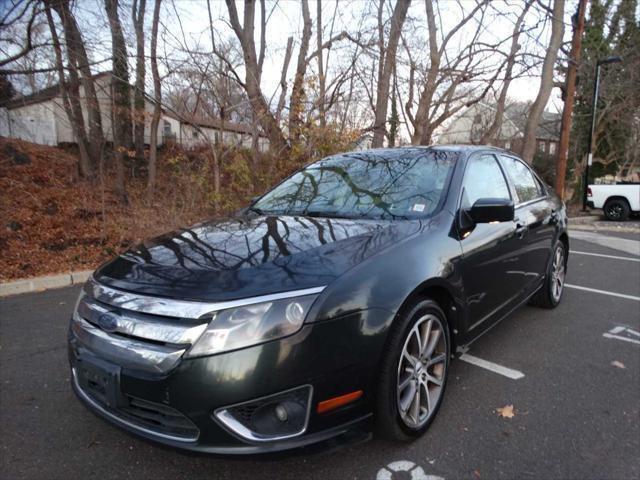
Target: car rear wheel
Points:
(550, 293)
(616, 210)
(414, 372)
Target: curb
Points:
(39, 284)
(585, 219)
(604, 228)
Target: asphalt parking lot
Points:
(572, 375)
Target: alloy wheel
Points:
(615, 211)
(421, 371)
(557, 273)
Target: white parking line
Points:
(613, 333)
(603, 292)
(494, 367)
(614, 257)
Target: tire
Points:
(549, 296)
(426, 318)
(616, 209)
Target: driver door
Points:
(491, 271)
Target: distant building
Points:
(468, 127)
(41, 118)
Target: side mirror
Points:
(487, 210)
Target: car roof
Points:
(444, 148)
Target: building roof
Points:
(548, 128)
(41, 95)
(214, 123)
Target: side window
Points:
(484, 179)
(527, 188)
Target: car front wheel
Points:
(414, 372)
(550, 293)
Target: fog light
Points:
(281, 413)
(279, 416)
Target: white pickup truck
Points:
(616, 201)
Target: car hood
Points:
(249, 256)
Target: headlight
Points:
(252, 324)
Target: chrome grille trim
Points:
(136, 325)
(126, 352)
(167, 307)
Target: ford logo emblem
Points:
(108, 322)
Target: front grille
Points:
(136, 340)
(158, 417)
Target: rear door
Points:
(535, 218)
(491, 266)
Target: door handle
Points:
(521, 228)
(553, 219)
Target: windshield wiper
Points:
(325, 214)
(256, 210)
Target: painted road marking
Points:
(603, 292)
(416, 472)
(494, 367)
(614, 257)
(623, 244)
(615, 331)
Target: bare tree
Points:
(546, 81)
(253, 69)
(496, 125)
(23, 9)
(157, 104)
(137, 13)
(386, 63)
(459, 70)
(322, 81)
(69, 92)
(297, 90)
(79, 61)
(121, 96)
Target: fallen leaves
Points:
(506, 411)
(618, 364)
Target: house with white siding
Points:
(468, 126)
(41, 118)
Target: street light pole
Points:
(596, 91)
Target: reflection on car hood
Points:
(243, 257)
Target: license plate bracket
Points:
(101, 380)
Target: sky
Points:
(187, 21)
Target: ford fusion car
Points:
(334, 302)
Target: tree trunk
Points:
(296, 104)
(138, 13)
(546, 82)
(79, 60)
(387, 62)
(322, 81)
(157, 105)
(570, 90)
(120, 96)
(69, 91)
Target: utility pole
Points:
(570, 90)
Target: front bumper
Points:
(333, 357)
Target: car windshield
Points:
(401, 183)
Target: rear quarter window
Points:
(527, 186)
